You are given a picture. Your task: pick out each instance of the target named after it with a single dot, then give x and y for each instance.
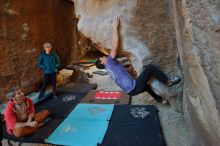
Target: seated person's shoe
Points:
(45, 122)
(174, 80)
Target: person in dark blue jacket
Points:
(49, 62)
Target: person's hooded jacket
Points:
(49, 63)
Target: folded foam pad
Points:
(134, 125)
(107, 95)
(94, 112)
(99, 72)
(79, 133)
(88, 60)
(34, 96)
(86, 124)
(77, 88)
(59, 109)
(117, 97)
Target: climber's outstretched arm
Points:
(115, 38)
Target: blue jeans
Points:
(48, 78)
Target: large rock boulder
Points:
(178, 36)
(147, 33)
(147, 30)
(197, 26)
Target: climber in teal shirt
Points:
(49, 62)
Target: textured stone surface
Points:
(79, 76)
(197, 31)
(24, 27)
(146, 28)
(153, 31)
(147, 33)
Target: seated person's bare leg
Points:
(41, 116)
(27, 130)
(24, 131)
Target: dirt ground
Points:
(173, 125)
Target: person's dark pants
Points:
(141, 81)
(48, 78)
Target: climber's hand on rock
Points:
(116, 22)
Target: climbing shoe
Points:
(46, 121)
(174, 80)
(164, 101)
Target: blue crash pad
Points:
(85, 125)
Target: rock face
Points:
(197, 26)
(179, 36)
(147, 32)
(24, 27)
(160, 31)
